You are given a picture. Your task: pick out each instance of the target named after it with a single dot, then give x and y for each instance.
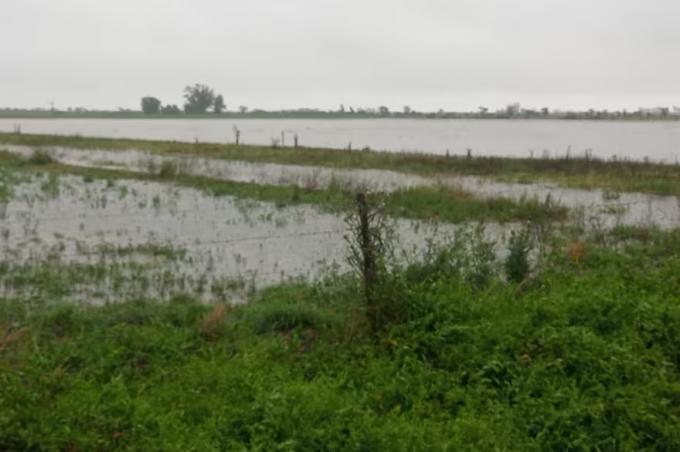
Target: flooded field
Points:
(657, 141)
(597, 207)
(97, 240)
(112, 241)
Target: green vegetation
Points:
(444, 204)
(150, 249)
(613, 176)
(5, 184)
(456, 206)
(9, 177)
(150, 105)
(584, 355)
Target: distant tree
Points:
(342, 108)
(407, 110)
(513, 110)
(243, 109)
(198, 98)
(218, 104)
(545, 111)
(483, 111)
(383, 110)
(171, 110)
(150, 105)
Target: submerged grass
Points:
(445, 204)
(584, 356)
(571, 172)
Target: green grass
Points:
(445, 204)
(573, 172)
(585, 356)
(165, 251)
(5, 184)
(9, 176)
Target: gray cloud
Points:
(429, 54)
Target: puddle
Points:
(142, 239)
(594, 206)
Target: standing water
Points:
(658, 141)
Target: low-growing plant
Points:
(482, 259)
(517, 264)
(213, 325)
(168, 170)
(41, 157)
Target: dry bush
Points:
(211, 326)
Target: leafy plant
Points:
(517, 264)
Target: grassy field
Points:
(582, 355)
(443, 204)
(621, 176)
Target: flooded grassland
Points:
(160, 300)
(104, 225)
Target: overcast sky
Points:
(429, 54)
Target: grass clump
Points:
(517, 264)
(286, 309)
(7, 182)
(41, 157)
(455, 206)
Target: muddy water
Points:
(514, 138)
(594, 207)
(223, 248)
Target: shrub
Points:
(517, 262)
(41, 157)
(168, 170)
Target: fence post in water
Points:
(349, 147)
(283, 139)
(237, 135)
(295, 140)
(469, 153)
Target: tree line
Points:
(198, 99)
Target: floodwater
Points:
(105, 234)
(595, 207)
(635, 140)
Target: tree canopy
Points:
(218, 104)
(198, 98)
(170, 109)
(150, 105)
